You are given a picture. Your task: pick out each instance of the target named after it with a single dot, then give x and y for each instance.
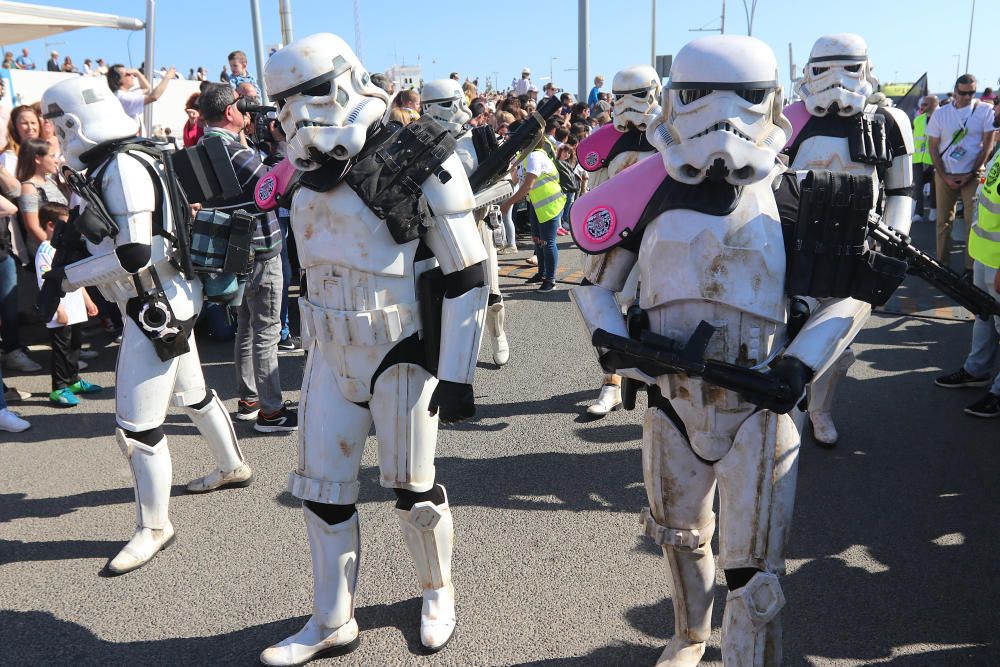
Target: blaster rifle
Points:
(657, 355)
(70, 248)
(895, 244)
(527, 135)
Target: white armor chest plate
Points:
(821, 153)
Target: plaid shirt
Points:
(249, 169)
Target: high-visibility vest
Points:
(984, 238)
(921, 154)
(546, 196)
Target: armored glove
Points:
(455, 400)
(795, 375)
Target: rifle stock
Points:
(498, 164)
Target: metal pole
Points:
(968, 49)
(722, 30)
(958, 61)
(258, 48)
(147, 112)
(285, 13)
(652, 38)
(583, 44)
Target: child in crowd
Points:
(64, 329)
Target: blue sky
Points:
(480, 38)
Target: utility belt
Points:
(222, 253)
(380, 326)
(150, 309)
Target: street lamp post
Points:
(551, 60)
(958, 61)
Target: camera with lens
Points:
(263, 117)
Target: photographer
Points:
(258, 321)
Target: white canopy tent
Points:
(21, 22)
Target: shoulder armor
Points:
(899, 134)
(798, 116)
(127, 186)
(449, 196)
(276, 186)
(467, 152)
(592, 153)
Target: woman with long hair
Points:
(24, 124)
(37, 166)
(48, 132)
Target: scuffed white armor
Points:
(146, 385)
(362, 303)
(728, 270)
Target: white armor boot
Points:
(427, 529)
(215, 426)
(751, 626)
(151, 471)
(609, 401)
(821, 394)
(331, 630)
(494, 325)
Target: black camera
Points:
(263, 118)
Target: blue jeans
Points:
(985, 337)
(570, 196)
(509, 232)
(286, 272)
(3, 388)
(9, 325)
(546, 249)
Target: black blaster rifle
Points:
(527, 135)
(70, 248)
(657, 355)
(920, 264)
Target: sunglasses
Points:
(965, 93)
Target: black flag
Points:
(910, 102)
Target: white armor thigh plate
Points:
(492, 265)
(337, 228)
(406, 432)
(757, 492)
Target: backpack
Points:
(568, 181)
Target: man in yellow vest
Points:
(984, 248)
(923, 165)
(538, 180)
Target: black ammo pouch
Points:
(387, 175)
(484, 142)
(206, 173)
(430, 292)
(152, 312)
(867, 140)
(830, 256)
(93, 222)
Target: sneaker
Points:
(507, 250)
(89, 354)
(83, 387)
(289, 345)
(960, 379)
(284, 420)
(18, 360)
(11, 422)
(537, 278)
(247, 410)
(547, 285)
(64, 397)
(82, 365)
(917, 217)
(13, 395)
(533, 260)
(561, 232)
(987, 406)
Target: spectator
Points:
(133, 90)
(453, 76)
(64, 329)
(24, 124)
(537, 180)
(960, 138)
(988, 95)
(102, 67)
(532, 94)
(470, 91)
(36, 169)
(201, 74)
(258, 318)
(579, 113)
(68, 66)
(409, 102)
(14, 356)
(48, 132)
(549, 89)
(602, 107)
(193, 127)
(24, 61)
(53, 64)
(923, 165)
(595, 92)
(238, 67)
(248, 90)
(569, 182)
(8, 61)
(9, 421)
(383, 82)
(521, 86)
(88, 67)
(567, 104)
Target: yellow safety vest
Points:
(984, 238)
(921, 154)
(546, 196)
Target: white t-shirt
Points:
(76, 309)
(947, 121)
(521, 86)
(134, 102)
(537, 163)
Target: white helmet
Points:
(85, 113)
(326, 99)
(636, 93)
(838, 77)
(444, 101)
(721, 115)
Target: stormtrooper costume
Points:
(702, 225)
(136, 269)
(362, 326)
(611, 149)
(830, 124)
(444, 101)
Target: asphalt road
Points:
(892, 558)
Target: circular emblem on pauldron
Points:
(265, 189)
(592, 159)
(600, 223)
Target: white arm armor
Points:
(828, 332)
(98, 270)
(899, 206)
(454, 239)
(610, 269)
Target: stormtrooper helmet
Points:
(838, 77)
(444, 101)
(636, 97)
(326, 100)
(721, 116)
(85, 113)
